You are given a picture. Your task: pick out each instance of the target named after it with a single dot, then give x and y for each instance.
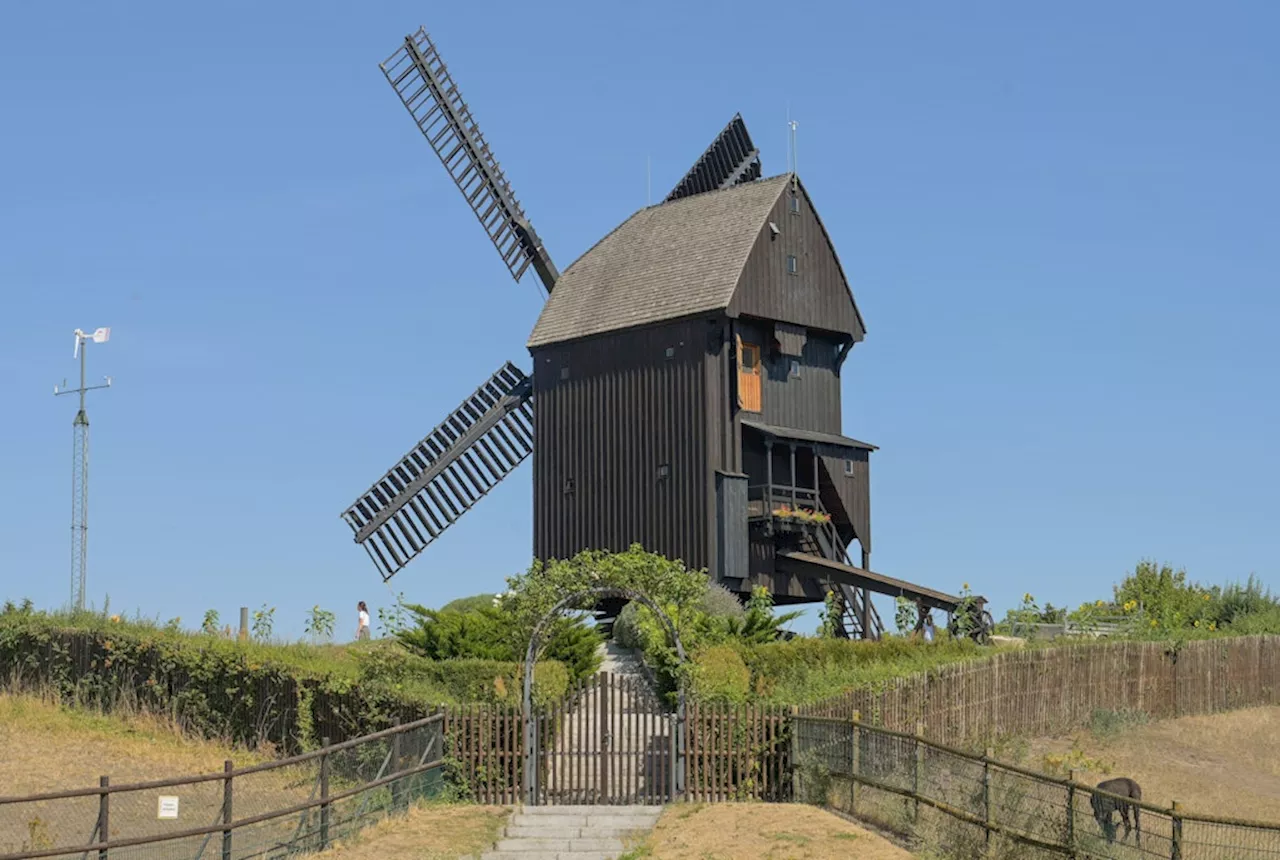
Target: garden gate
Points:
(610, 741)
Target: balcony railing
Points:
(764, 499)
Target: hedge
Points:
(249, 694)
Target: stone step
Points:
(591, 809)
(560, 845)
(549, 855)
(541, 831)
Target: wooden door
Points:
(748, 376)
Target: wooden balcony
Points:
(774, 504)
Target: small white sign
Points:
(168, 807)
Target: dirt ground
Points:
(1225, 764)
(426, 833)
(757, 831)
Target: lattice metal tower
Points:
(80, 469)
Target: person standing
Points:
(362, 630)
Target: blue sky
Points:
(1060, 223)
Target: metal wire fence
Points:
(968, 806)
(271, 811)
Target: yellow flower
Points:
(965, 586)
(1027, 598)
(1213, 625)
(1099, 603)
(115, 618)
(1153, 622)
(1206, 597)
(1197, 624)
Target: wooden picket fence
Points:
(1042, 691)
(744, 752)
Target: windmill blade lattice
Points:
(447, 473)
(731, 159)
(423, 83)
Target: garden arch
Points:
(528, 720)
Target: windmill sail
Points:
(447, 473)
(422, 81)
(730, 159)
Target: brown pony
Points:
(1103, 806)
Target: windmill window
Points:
(794, 370)
(671, 352)
(664, 470)
(793, 265)
(794, 204)
(848, 467)
(564, 372)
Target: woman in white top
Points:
(362, 631)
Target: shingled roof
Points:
(664, 262)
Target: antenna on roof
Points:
(793, 156)
(648, 181)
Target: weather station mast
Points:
(80, 469)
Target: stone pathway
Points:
(573, 832)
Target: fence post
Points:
(104, 816)
(227, 767)
(396, 787)
(856, 762)
(916, 767)
(986, 795)
(244, 624)
(324, 794)
(1175, 850)
(793, 713)
(1071, 812)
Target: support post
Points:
(768, 478)
(865, 609)
(987, 812)
(227, 768)
(324, 794)
(794, 504)
(1175, 845)
(396, 788)
(104, 816)
(917, 768)
(244, 624)
(793, 713)
(1071, 812)
(856, 760)
(675, 758)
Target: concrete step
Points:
(538, 831)
(560, 845)
(549, 855)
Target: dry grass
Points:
(757, 831)
(427, 832)
(1225, 764)
(45, 747)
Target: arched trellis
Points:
(573, 601)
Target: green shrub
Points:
(812, 669)
(720, 602)
(477, 629)
(247, 693)
(719, 675)
(626, 627)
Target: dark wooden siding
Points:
(853, 491)
(817, 296)
(624, 409)
(785, 587)
(810, 401)
(731, 513)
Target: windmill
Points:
(653, 414)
